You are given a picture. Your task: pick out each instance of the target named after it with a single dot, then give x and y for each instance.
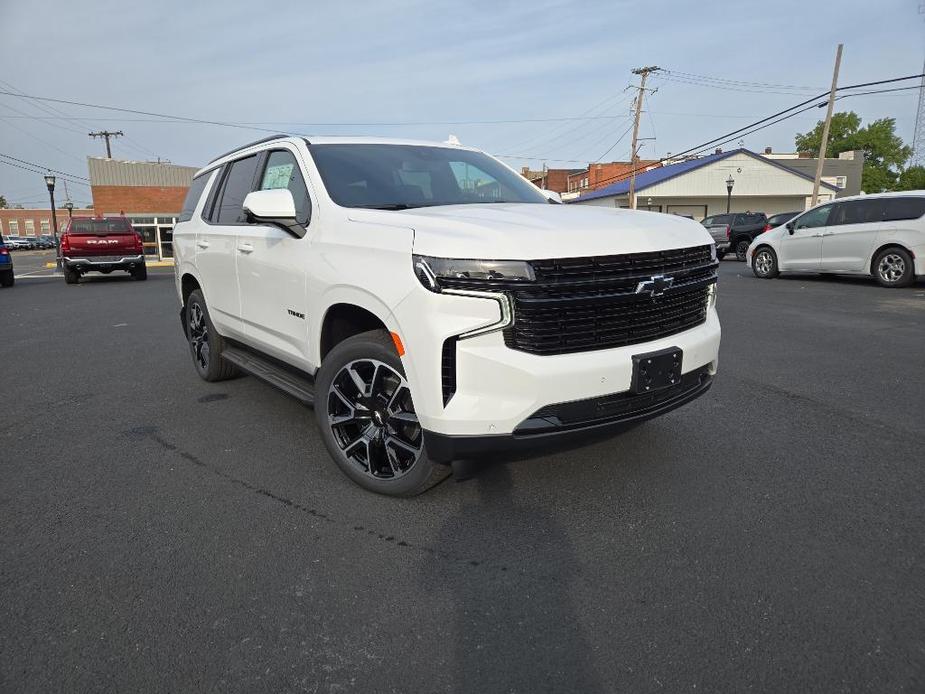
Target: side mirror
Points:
(276, 207)
(790, 228)
(552, 196)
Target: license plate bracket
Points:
(656, 370)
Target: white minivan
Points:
(881, 235)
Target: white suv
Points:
(880, 235)
(433, 305)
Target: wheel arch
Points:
(882, 247)
(188, 284)
(343, 320)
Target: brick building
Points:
(150, 194)
(569, 182)
(32, 222)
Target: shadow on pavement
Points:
(515, 624)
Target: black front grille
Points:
(581, 304)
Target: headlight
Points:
(711, 296)
(713, 251)
(435, 273)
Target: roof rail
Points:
(249, 144)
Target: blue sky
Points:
(352, 67)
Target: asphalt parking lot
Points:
(164, 534)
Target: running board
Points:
(287, 380)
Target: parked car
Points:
(45, 242)
(380, 280)
(101, 244)
(16, 243)
(6, 265)
(778, 219)
(879, 235)
(733, 233)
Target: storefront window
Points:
(166, 241)
(148, 238)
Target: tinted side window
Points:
(903, 208)
(857, 212)
(239, 181)
(192, 197)
(817, 217)
(282, 171)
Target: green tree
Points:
(912, 178)
(884, 151)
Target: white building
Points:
(697, 187)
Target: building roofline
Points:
(703, 161)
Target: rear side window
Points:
(282, 171)
(239, 181)
(101, 227)
(857, 212)
(897, 209)
(192, 197)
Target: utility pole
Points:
(106, 134)
(825, 129)
(643, 73)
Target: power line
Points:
(764, 123)
(707, 78)
(619, 139)
(45, 168)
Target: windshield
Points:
(116, 225)
(400, 177)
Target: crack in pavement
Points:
(153, 434)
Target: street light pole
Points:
(69, 206)
(729, 183)
(50, 182)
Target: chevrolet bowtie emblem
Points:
(655, 286)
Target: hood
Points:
(520, 231)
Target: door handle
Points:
(245, 248)
(202, 244)
(827, 233)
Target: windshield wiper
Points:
(386, 206)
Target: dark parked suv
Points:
(734, 233)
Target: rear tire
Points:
(372, 432)
(720, 255)
(893, 268)
(140, 273)
(71, 276)
(764, 263)
(206, 345)
(7, 279)
(741, 248)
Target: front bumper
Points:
(572, 423)
(105, 262)
(497, 388)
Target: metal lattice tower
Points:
(918, 138)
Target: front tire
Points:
(893, 268)
(367, 420)
(741, 249)
(206, 345)
(7, 279)
(764, 263)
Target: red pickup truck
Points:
(101, 244)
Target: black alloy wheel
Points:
(372, 418)
(741, 248)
